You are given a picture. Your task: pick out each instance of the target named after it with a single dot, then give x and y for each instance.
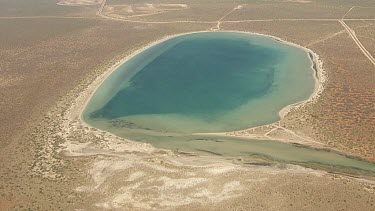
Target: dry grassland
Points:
(365, 32)
(344, 116)
(287, 11)
(51, 162)
(194, 11)
(42, 8)
(361, 12)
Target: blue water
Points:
(209, 82)
(205, 82)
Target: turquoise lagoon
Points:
(209, 82)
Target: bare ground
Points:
(50, 161)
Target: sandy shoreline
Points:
(316, 66)
(168, 173)
(319, 77)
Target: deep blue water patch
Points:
(201, 77)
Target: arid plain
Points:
(53, 54)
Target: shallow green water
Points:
(209, 82)
(205, 82)
(270, 150)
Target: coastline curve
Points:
(316, 65)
